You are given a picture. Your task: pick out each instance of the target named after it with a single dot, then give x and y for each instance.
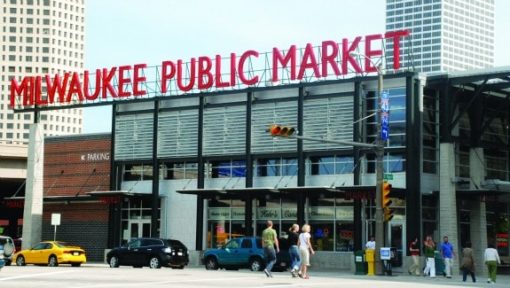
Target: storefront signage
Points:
(502, 240)
(238, 213)
(359, 195)
(109, 199)
(219, 213)
(95, 157)
(14, 203)
(205, 74)
(268, 213)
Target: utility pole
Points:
(378, 148)
(379, 167)
(379, 171)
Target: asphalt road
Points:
(101, 276)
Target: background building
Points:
(75, 167)
(38, 37)
(446, 35)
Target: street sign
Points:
(385, 116)
(55, 219)
(388, 176)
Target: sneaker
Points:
(489, 281)
(268, 274)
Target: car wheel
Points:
(20, 261)
(211, 263)
(114, 262)
(52, 261)
(7, 262)
(154, 262)
(76, 264)
(256, 264)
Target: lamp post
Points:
(379, 169)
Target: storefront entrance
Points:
(139, 228)
(397, 239)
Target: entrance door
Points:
(139, 228)
(397, 237)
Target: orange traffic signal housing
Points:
(279, 130)
(386, 201)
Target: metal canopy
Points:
(262, 191)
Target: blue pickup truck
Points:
(244, 252)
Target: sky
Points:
(129, 32)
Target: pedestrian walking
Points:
(415, 255)
(305, 248)
(295, 260)
(491, 258)
(428, 250)
(468, 263)
(447, 254)
(269, 242)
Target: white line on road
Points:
(33, 275)
(148, 284)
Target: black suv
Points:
(152, 252)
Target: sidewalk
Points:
(440, 281)
(481, 280)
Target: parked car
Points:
(8, 249)
(151, 252)
(245, 252)
(52, 253)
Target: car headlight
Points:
(167, 250)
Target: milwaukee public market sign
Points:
(330, 60)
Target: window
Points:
(183, 170)
(276, 167)
(222, 169)
(247, 244)
(137, 172)
(329, 165)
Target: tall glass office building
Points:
(446, 35)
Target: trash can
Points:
(438, 260)
(370, 258)
(359, 262)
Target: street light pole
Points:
(379, 169)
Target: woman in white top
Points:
(492, 260)
(305, 248)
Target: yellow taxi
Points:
(51, 253)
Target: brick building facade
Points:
(75, 166)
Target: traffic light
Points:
(279, 130)
(386, 201)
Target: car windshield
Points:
(4, 240)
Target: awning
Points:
(326, 191)
(116, 193)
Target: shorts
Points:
(305, 256)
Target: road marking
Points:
(33, 275)
(148, 284)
